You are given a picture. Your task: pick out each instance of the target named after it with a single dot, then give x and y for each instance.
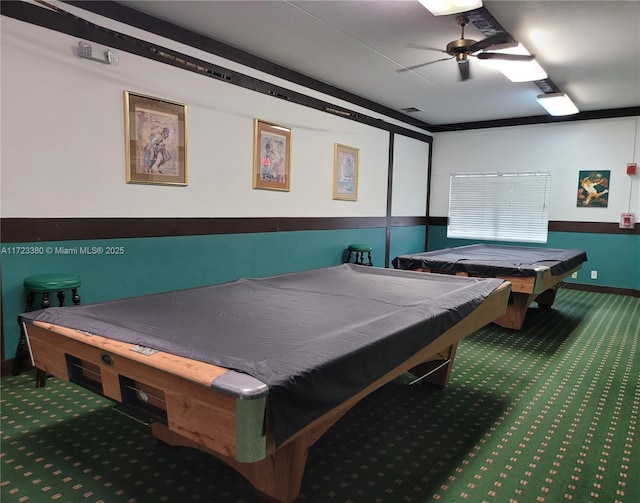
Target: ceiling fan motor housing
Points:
(460, 48)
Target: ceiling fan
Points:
(462, 48)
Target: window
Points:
(499, 206)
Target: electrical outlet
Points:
(594, 274)
(574, 275)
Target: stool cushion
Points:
(51, 282)
(360, 248)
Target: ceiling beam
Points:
(487, 24)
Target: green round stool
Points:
(56, 283)
(44, 284)
(359, 250)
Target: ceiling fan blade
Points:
(424, 47)
(465, 73)
(408, 68)
(504, 56)
(499, 38)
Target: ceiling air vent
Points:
(410, 110)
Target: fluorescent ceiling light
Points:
(518, 71)
(444, 7)
(558, 104)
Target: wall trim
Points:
(32, 230)
(387, 244)
(6, 367)
(127, 15)
(602, 289)
(63, 22)
(567, 226)
(121, 13)
(146, 22)
(591, 227)
(612, 113)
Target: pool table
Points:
(341, 332)
(535, 273)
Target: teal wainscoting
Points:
(616, 257)
(409, 239)
(116, 268)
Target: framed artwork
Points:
(155, 140)
(271, 156)
(593, 189)
(345, 173)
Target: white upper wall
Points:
(410, 175)
(63, 141)
(564, 149)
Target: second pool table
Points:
(535, 273)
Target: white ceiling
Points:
(589, 49)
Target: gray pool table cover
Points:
(315, 338)
(493, 260)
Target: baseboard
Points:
(7, 367)
(602, 289)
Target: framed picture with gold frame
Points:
(155, 140)
(345, 172)
(271, 156)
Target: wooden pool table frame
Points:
(177, 392)
(540, 288)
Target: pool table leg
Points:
(547, 298)
(516, 311)
(277, 477)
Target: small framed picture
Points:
(593, 189)
(345, 173)
(271, 156)
(155, 140)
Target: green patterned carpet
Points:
(547, 414)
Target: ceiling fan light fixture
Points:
(557, 104)
(518, 71)
(445, 7)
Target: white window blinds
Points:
(499, 206)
